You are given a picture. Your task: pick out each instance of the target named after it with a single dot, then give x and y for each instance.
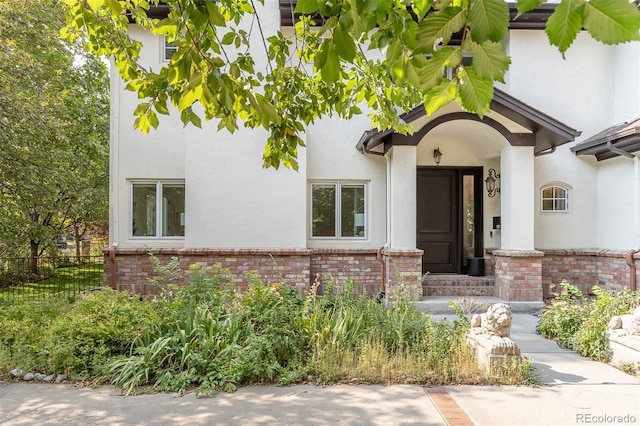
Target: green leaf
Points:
(421, 7)
(192, 92)
(167, 26)
(228, 38)
(612, 21)
(438, 27)
(474, 92)
(345, 46)
(489, 59)
(565, 23)
(330, 72)
(215, 16)
(307, 6)
(489, 20)
(527, 5)
(440, 96)
(95, 4)
(433, 70)
(195, 119)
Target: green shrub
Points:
(56, 336)
(580, 324)
(99, 326)
(24, 325)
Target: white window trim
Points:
(163, 49)
(338, 217)
(567, 200)
(159, 183)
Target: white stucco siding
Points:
(232, 201)
(555, 230)
(332, 156)
(626, 82)
(576, 89)
(158, 155)
(618, 203)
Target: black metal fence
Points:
(44, 277)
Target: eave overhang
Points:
(620, 139)
(533, 20)
(546, 133)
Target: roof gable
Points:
(545, 132)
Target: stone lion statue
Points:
(496, 321)
(626, 325)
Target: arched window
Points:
(554, 198)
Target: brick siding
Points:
(585, 268)
(296, 267)
(518, 274)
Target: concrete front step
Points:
(439, 305)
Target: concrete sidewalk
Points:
(575, 391)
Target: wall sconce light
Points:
(437, 155)
(490, 181)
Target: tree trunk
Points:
(77, 237)
(33, 259)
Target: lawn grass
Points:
(62, 281)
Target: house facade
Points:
(545, 187)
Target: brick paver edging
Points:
(448, 407)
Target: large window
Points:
(554, 198)
(338, 210)
(157, 209)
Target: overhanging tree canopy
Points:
(54, 111)
(215, 66)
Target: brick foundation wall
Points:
(518, 274)
(585, 268)
(578, 267)
(272, 265)
(296, 267)
(404, 268)
(613, 270)
(336, 265)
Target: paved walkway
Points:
(575, 391)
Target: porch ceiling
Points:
(621, 139)
(519, 123)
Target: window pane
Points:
(352, 214)
(169, 49)
(547, 205)
(144, 210)
(172, 210)
(561, 205)
(323, 215)
(547, 193)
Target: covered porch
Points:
(461, 188)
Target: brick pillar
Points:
(404, 270)
(518, 275)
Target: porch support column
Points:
(403, 259)
(402, 196)
(518, 266)
(517, 198)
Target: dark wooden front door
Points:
(449, 217)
